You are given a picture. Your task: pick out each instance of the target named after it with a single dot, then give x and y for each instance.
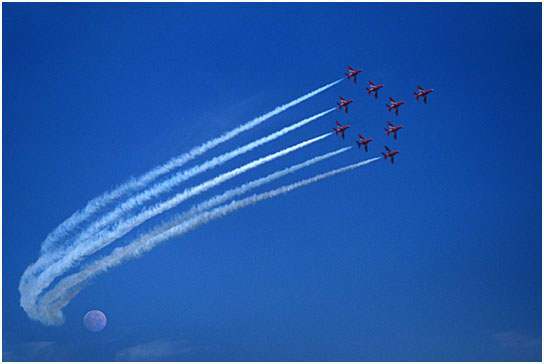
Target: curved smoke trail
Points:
(216, 200)
(48, 259)
(35, 285)
(134, 184)
(51, 303)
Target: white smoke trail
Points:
(51, 303)
(94, 205)
(35, 285)
(46, 260)
(216, 200)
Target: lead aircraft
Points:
(353, 73)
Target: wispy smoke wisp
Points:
(34, 285)
(93, 206)
(50, 304)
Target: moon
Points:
(94, 320)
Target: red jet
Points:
(390, 154)
(353, 73)
(373, 88)
(344, 103)
(392, 129)
(423, 93)
(363, 142)
(340, 129)
(394, 105)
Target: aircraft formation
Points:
(394, 105)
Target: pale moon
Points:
(94, 320)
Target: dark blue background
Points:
(435, 258)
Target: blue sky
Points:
(437, 257)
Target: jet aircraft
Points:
(344, 103)
(394, 105)
(363, 142)
(423, 93)
(353, 73)
(373, 88)
(390, 154)
(392, 129)
(340, 129)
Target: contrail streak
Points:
(94, 205)
(50, 305)
(45, 261)
(216, 200)
(34, 287)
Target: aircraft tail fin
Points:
(387, 131)
(335, 131)
(384, 156)
(417, 96)
(368, 91)
(358, 144)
